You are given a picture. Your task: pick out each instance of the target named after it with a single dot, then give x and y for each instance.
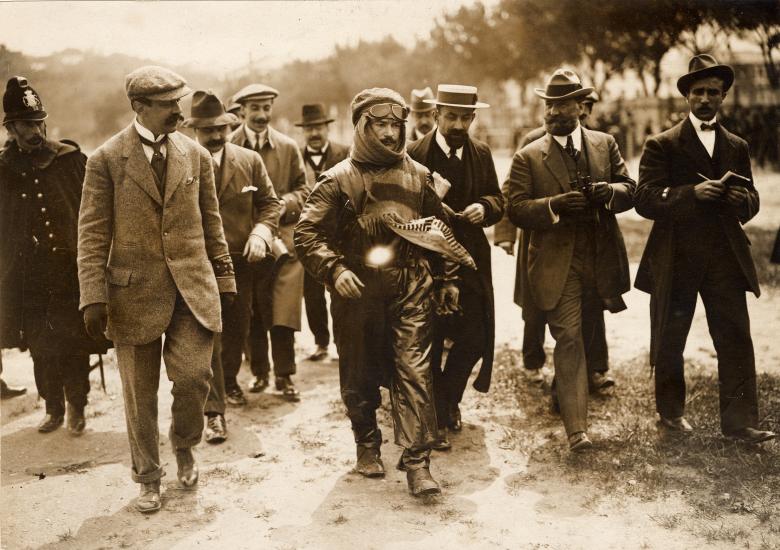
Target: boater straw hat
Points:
(207, 111)
(457, 95)
(563, 84)
(702, 66)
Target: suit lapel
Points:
(176, 166)
(138, 167)
(228, 167)
(695, 150)
(554, 162)
(726, 151)
(597, 155)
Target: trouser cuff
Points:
(149, 477)
(416, 458)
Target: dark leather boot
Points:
(76, 420)
(369, 462)
(421, 482)
(50, 423)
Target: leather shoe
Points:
(369, 462)
(7, 392)
(187, 469)
(319, 354)
(534, 376)
(285, 385)
(421, 482)
(50, 423)
(442, 442)
(752, 435)
(678, 424)
(149, 499)
(235, 397)
(598, 381)
(259, 385)
(216, 429)
(456, 424)
(76, 420)
(579, 442)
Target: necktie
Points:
(258, 145)
(705, 127)
(217, 173)
(570, 150)
(158, 160)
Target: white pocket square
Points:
(191, 179)
(248, 188)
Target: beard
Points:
(456, 138)
(560, 126)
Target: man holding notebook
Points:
(697, 247)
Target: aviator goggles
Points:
(383, 110)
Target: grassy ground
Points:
(632, 457)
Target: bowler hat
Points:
(563, 84)
(207, 111)
(457, 95)
(702, 66)
(21, 102)
(155, 83)
(418, 104)
(313, 114)
(255, 91)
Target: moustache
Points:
(260, 120)
(174, 119)
(36, 140)
(215, 143)
(388, 141)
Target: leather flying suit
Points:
(385, 336)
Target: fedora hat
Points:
(417, 102)
(563, 84)
(207, 111)
(313, 114)
(457, 95)
(702, 66)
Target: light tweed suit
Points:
(153, 260)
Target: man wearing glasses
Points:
(381, 285)
(149, 200)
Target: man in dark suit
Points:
(152, 260)
(476, 201)
(278, 281)
(422, 114)
(319, 154)
(250, 217)
(697, 247)
(534, 324)
(564, 191)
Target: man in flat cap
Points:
(153, 260)
(564, 191)
(534, 323)
(40, 192)
(319, 154)
(278, 285)
(250, 216)
(697, 248)
(422, 112)
(476, 200)
(381, 284)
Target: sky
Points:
(220, 35)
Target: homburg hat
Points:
(312, 115)
(563, 84)
(207, 111)
(418, 104)
(703, 66)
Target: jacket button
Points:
(47, 223)
(51, 235)
(43, 209)
(36, 180)
(39, 195)
(165, 233)
(24, 195)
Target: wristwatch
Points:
(665, 193)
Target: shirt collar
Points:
(320, 152)
(265, 136)
(145, 133)
(697, 122)
(576, 138)
(445, 147)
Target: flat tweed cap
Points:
(255, 91)
(155, 83)
(373, 96)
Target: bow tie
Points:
(705, 126)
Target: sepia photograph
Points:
(390, 275)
